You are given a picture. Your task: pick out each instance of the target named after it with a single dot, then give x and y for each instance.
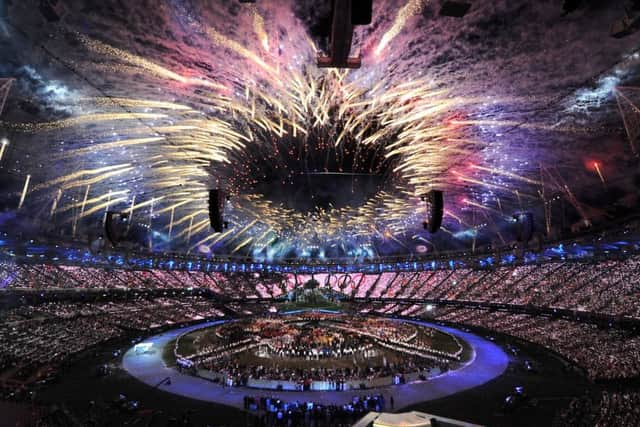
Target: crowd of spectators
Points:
(56, 277)
(604, 353)
(36, 339)
(620, 409)
(608, 287)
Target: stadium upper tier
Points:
(609, 287)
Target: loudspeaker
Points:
(115, 226)
(435, 210)
(216, 209)
(524, 226)
(361, 12)
(52, 10)
(96, 244)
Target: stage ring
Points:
(487, 362)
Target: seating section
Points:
(46, 334)
(609, 287)
(609, 409)
(37, 339)
(604, 353)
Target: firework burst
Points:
(262, 123)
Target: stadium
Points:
(319, 213)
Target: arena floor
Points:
(488, 362)
(550, 388)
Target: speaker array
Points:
(115, 226)
(216, 209)
(435, 210)
(524, 226)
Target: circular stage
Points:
(326, 358)
(319, 352)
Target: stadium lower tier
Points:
(605, 353)
(38, 337)
(604, 409)
(257, 347)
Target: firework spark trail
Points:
(94, 180)
(492, 185)
(277, 121)
(3, 147)
(221, 40)
(189, 218)
(108, 146)
(523, 125)
(82, 120)
(91, 201)
(137, 103)
(155, 69)
(413, 7)
(596, 165)
(509, 174)
(258, 28)
(24, 191)
(54, 205)
(73, 177)
(486, 208)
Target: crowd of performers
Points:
(282, 347)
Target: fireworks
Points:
(24, 191)
(411, 8)
(261, 126)
(3, 146)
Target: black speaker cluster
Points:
(523, 226)
(116, 226)
(435, 210)
(217, 198)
